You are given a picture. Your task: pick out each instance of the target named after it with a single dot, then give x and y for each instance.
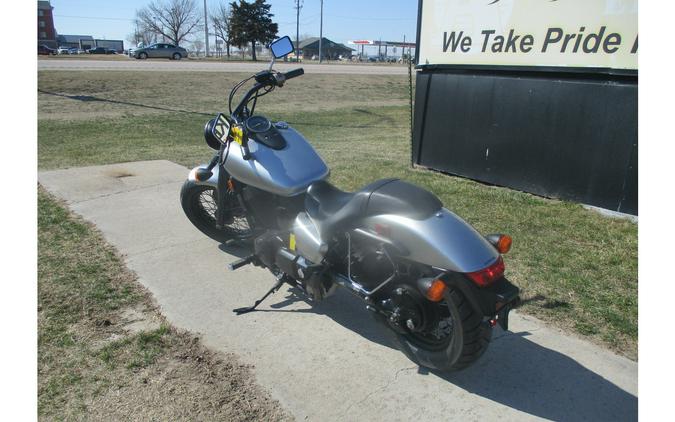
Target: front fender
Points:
(212, 181)
(444, 240)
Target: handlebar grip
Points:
(294, 73)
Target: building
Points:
(117, 45)
(331, 50)
(84, 42)
(46, 34)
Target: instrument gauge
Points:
(258, 124)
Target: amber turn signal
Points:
(436, 291)
(501, 242)
(504, 244)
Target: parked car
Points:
(72, 51)
(161, 50)
(46, 51)
(101, 50)
(111, 51)
(63, 50)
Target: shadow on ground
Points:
(91, 98)
(514, 372)
(389, 123)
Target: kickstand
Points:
(248, 309)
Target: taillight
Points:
(489, 275)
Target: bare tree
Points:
(222, 24)
(141, 35)
(173, 19)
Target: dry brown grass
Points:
(76, 96)
(106, 353)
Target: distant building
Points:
(331, 50)
(45, 21)
(117, 45)
(84, 42)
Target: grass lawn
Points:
(577, 269)
(92, 364)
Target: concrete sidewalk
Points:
(332, 362)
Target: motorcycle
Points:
(421, 270)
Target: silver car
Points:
(160, 50)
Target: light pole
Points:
(206, 29)
(321, 34)
(298, 6)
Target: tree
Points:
(221, 20)
(252, 23)
(141, 35)
(173, 19)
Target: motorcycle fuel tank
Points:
(286, 172)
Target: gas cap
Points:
(281, 125)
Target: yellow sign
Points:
(237, 134)
(558, 33)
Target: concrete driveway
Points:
(332, 362)
(214, 66)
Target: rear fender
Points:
(443, 240)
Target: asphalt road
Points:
(332, 362)
(203, 66)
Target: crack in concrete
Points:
(105, 195)
(377, 390)
(159, 248)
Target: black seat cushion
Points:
(334, 210)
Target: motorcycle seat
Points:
(333, 209)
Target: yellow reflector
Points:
(291, 242)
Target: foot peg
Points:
(248, 309)
(241, 262)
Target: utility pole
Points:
(298, 6)
(321, 34)
(206, 29)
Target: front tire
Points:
(143, 56)
(469, 338)
(199, 204)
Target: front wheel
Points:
(456, 338)
(143, 56)
(199, 203)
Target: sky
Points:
(343, 20)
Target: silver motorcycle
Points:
(421, 270)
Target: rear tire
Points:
(177, 56)
(470, 338)
(198, 202)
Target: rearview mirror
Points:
(281, 47)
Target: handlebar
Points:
(294, 73)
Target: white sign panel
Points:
(559, 33)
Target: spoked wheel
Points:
(200, 203)
(454, 337)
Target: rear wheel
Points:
(177, 56)
(200, 202)
(455, 338)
